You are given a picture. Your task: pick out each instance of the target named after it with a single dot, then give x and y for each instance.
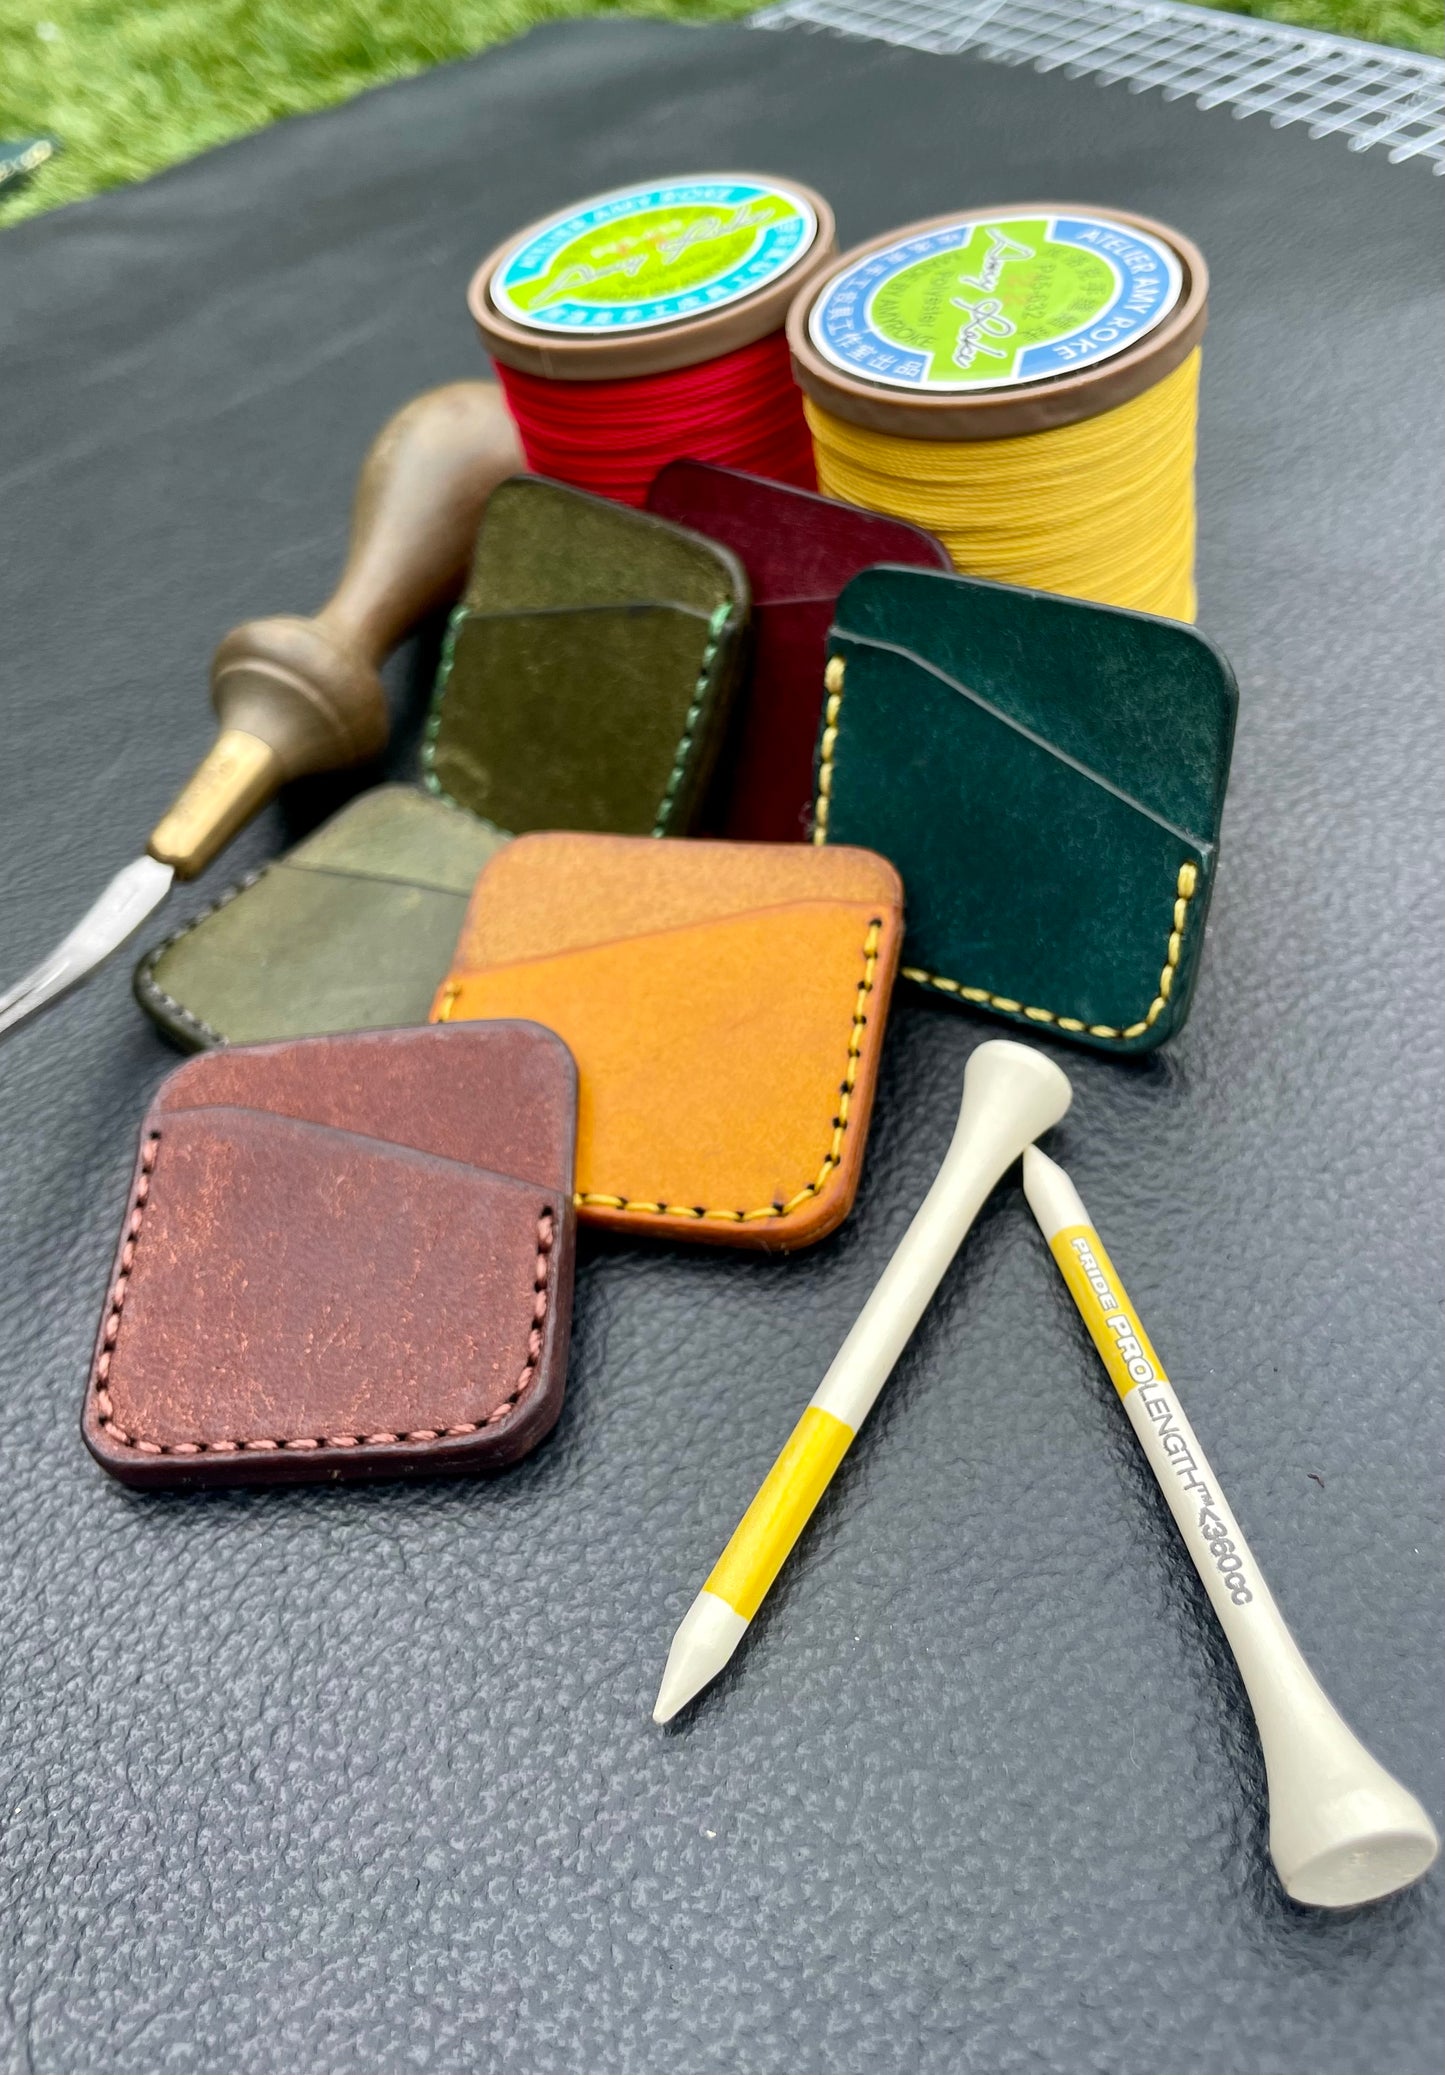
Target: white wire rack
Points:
(1364, 92)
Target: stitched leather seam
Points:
(1183, 894)
(147, 973)
(1185, 886)
(716, 625)
(434, 718)
(297, 1444)
(696, 1213)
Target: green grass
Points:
(1413, 24)
(134, 85)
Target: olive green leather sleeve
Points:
(589, 671)
(352, 930)
(1048, 775)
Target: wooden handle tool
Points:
(295, 696)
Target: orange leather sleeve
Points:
(725, 1004)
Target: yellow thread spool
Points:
(1038, 455)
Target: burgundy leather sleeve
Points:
(799, 551)
(343, 1257)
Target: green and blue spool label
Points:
(647, 256)
(995, 301)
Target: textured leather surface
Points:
(352, 930)
(799, 551)
(589, 671)
(726, 1005)
(343, 1257)
(327, 1782)
(1049, 778)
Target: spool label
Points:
(993, 302)
(647, 256)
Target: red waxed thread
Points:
(741, 410)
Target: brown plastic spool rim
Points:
(1064, 400)
(684, 344)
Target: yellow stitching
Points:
(833, 1158)
(833, 685)
(1184, 890)
(1185, 886)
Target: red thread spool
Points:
(647, 325)
(740, 410)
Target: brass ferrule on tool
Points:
(296, 696)
(236, 779)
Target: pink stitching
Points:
(300, 1443)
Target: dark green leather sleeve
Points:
(353, 930)
(1049, 777)
(589, 670)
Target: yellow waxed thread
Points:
(1100, 509)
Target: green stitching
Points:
(716, 624)
(434, 719)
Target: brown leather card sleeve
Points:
(343, 1257)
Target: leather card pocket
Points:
(799, 551)
(1064, 903)
(294, 1300)
(1048, 776)
(726, 1006)
(595, 717)
(352, 930)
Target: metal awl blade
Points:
(131, 895)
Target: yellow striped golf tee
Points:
(1010, 1094)
(739, 1581)
(781, 1510)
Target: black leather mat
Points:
(365, 1780)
